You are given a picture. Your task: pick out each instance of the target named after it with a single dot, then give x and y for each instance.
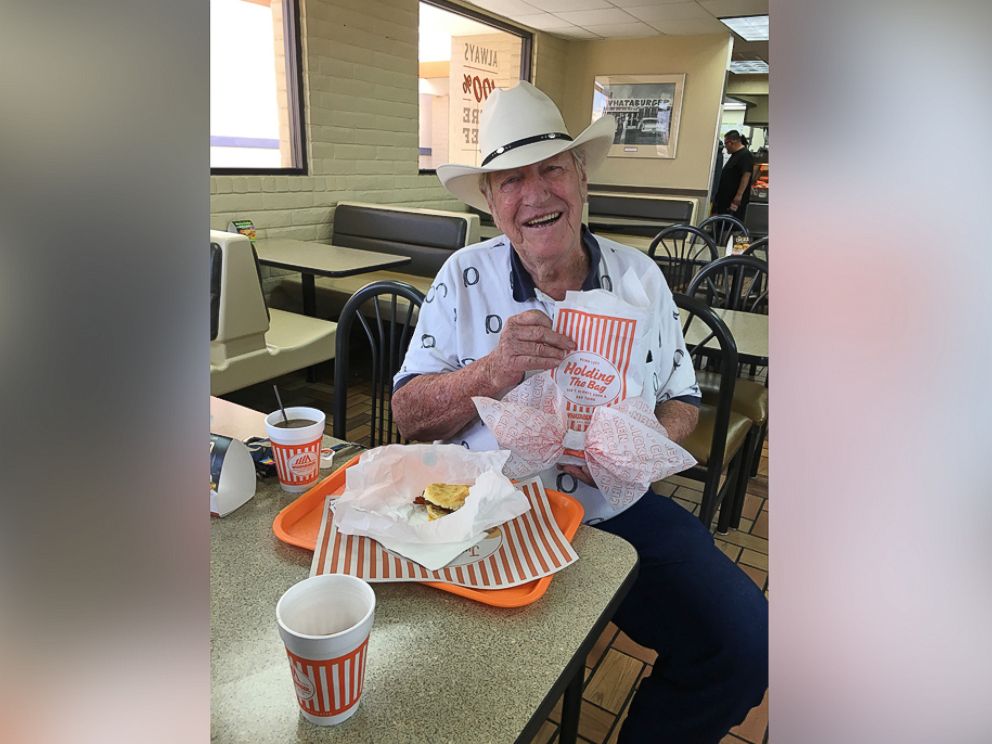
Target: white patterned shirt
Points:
(482, 285)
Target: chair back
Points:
(680, 251)
(733, 283)
(756, 219)
(721, 227)
(387, 325)
(242, 318)
(758, 249)
(715, 346)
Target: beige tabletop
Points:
(441, 668)
(323, 259)
(750, 331)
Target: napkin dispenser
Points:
(232, 475)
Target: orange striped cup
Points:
(325, 623)
(296, 451)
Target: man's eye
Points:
(509, 182)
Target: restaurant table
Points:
(441, 668)
(320, 259)
(750, 332)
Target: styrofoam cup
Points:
(296, 451)
(325, 623)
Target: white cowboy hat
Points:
(517, 127)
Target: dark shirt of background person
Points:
(734, 192)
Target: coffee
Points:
(294, 423)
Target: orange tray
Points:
(299, 522)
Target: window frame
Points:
(295, 103)
(526, 42)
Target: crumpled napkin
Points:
(626, 449)
(380, 488)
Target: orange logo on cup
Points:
(297, 464)
(329, 687)
(304, 687)
(302, 464)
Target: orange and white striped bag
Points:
(607, 365)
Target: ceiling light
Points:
(749, 28)
(749, 67)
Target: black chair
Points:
(733, 283)
(386, 312)
(758, 249)
(718, 440)
(756, 219)
(680, 251)
(738, 283)
(721, 226)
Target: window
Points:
(255, 93)
(463, 57)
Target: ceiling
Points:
(613, 19)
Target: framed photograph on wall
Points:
(647, 109)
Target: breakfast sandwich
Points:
(443, 498)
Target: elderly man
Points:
(485, 325)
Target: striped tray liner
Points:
(519, 551)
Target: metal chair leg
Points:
(734, 487)
(571, 704)
(759, 445)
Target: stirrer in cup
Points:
(285, 418)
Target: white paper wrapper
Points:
(381, 486)
(626, 449)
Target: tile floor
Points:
(616, 664)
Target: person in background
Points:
(733, 193)
(486, 323)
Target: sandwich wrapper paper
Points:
(590, 409)
(517, 552)
(380, 488)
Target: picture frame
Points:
(647, 108)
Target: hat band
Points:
(525, 141)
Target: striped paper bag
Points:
(519, 551)
(607, 364)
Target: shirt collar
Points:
(523, 285)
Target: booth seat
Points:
(250, 342)
(428, 236)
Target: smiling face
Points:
(539, 207)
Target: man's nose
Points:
(535, 190)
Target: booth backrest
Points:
(659, 211)
(427, 236)
(242, 319)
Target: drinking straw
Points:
(285, 418)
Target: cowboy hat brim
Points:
(463, 180)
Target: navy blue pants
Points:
(705, 617)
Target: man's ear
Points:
(492, 212)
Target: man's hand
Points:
(526, 343)
(579, 472)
